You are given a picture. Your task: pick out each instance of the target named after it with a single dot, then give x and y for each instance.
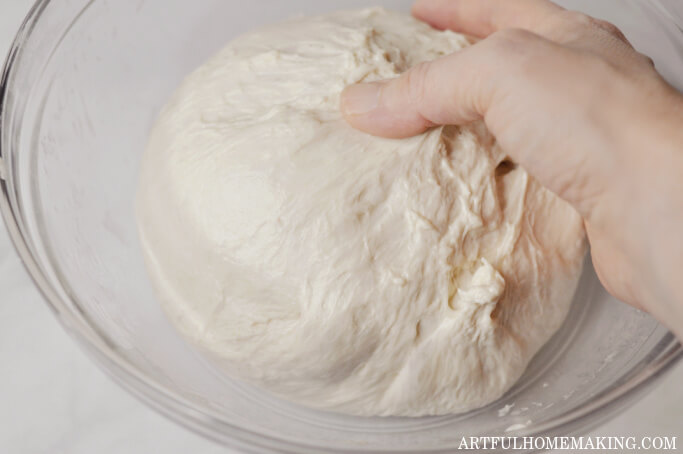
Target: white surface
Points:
(53, 400)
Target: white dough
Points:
(338, 270)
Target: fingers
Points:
(456, 89)
(410, 104)
(480, 18)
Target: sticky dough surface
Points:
(338, 270)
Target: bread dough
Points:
(338, 270)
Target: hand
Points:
(570, 100)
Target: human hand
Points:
(569, 99)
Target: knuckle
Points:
(585, 21)
(608, 27)
(646, 59)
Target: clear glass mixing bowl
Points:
(81, 88)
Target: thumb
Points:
(430, 94)
(455, 89)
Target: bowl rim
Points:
(204, 422)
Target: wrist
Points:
(640, 212)
(657, 189)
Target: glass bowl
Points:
(82, 86)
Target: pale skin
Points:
(569, 99)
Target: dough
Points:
(338, 270)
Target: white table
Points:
(54, 401)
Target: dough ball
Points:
(339, 270)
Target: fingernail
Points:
(360, 99)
